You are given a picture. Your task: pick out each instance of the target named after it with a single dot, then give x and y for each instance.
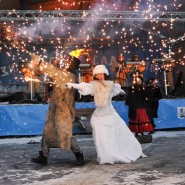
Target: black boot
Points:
(41, 159)
(79, 159)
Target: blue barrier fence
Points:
(29, 119)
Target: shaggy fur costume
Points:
(61, 113)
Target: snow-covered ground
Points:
(94, 174)
(24, 140)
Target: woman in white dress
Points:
(114, 142)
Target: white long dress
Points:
(114, 142)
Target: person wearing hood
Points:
(114, 142)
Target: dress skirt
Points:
(141, 123)
(114, 141)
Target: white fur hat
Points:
(100, 69)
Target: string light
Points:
(65, 33)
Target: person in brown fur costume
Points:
(61, 113)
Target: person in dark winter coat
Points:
(153, 94)
(138, 113)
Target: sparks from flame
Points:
(124, 35)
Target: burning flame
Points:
(78, 52)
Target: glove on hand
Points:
(74, 85)
(70, 85)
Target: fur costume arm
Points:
(59, 76)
